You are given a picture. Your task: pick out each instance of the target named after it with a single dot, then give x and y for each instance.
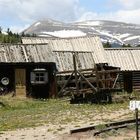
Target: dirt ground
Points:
(61, 132)
(41, 133)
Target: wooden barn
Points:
(78, 61)
(27, 70)
(128, 59)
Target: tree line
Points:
(109, 45)
(10, 37)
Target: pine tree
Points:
(126, 45)
(107, 45)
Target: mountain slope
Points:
(111, 31)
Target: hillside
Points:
(114, 32)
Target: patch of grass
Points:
(25, 112)
(100, 127)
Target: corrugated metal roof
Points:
(128, 59)
(25, 53)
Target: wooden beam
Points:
(86, 70)
(90, 79)
(62, 51)
(115, 81)
(95, 89)
(59, 93)
(75, 73)
(109, 71)
(97, 77)
(70, 71)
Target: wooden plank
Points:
(115, 81)
(92, 80)
(75, 73)
(73, 51)
(86, 70)
(65, 84)
(70, 71)
(109, 71)
(110, 128)
(114, 124)
(87, 82)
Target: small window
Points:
(39, 77)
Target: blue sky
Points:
(19, 14)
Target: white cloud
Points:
(31, 10)
(129, 16)
(128, 11)
(129, 4)
(19, 12)
(18, 29)
(88, 16)
(23, 12)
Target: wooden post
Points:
(65, 84)
(53, 87)
(137, 131)
(103, 77)
(97, 77)
(75, 72)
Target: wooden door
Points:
(20, 82)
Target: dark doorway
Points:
(128, 85)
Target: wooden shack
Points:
(128, 61)
(79, 60)
(27, 70)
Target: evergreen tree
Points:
(23, 34)
(10, 37)
(138, 45)
(126, 45)
(107, 45)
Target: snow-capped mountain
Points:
(114, 32)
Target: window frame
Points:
(39, 77)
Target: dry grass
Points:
(21, 113)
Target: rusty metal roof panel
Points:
(125, 58)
